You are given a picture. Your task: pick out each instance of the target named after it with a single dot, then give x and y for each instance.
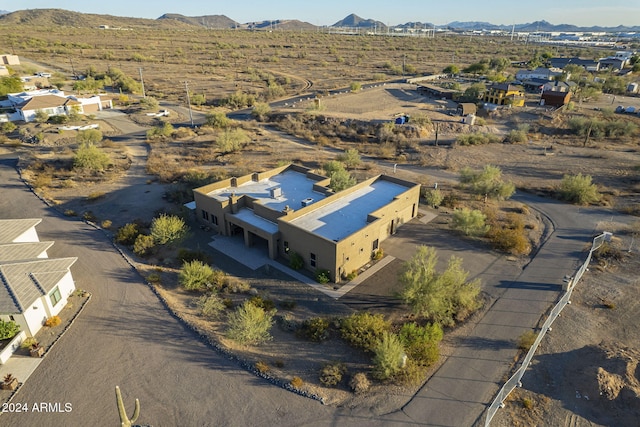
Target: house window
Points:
(374, 245)
(312, 259)
(286, 247)
(205, 215)
(214, 219)
(55, 296)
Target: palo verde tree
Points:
(442, 298)
(167, 229)
(340, 178)
(91, 158)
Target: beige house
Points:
(8, 59)
(292, 210)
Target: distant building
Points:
(291, 210)
(54, 103)
(7, 59)
(504, 94)
(436, 91)
(466, 108)
(540, 73)
(587, 64)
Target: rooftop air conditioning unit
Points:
(275, 192)
(306, 202)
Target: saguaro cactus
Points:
(124, 420)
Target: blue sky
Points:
(327, 12)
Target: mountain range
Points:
(47, 17)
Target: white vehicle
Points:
(47, 75)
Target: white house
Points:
(539, 73)
(54, 102)
(33, 287)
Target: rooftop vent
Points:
(275, 192)
(306, 202)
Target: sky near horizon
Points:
(609, 13)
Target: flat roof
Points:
(295, 187)
(348, 214)
(249, 217)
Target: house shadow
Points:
(592, 381)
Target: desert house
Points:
(504, 94)
(291, 210)
(540, 73)
(53, 102)
(33, 287)
(8, 59)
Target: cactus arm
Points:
(124, 420)
(136, 412)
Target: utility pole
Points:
(142, 83)
(186, 87)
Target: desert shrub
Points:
(331, 373)
(470, 222)
(28, 342)
(296, 382)
(263, 303)
(314, 329)
(89, 216)
(236, 286)
(262, 367)
(52, 321)
(250, 324)
(420, 119)
(239, 99)
(211, 306)
(349, 277)
(378, 255)
(89, 136)
(8, 329)
(90, 158)
(350, 158)
(70, 212)
(441, 297)
(106, 224)
(217, 120)
(196, 276)
(526, 340)
(143, 244)
(578, 189)
(154, 278)
(96, 195)
(296, 261)
(527, 403)
(167, 229)
(322, 276)
(187, 255)
(516, 136)
(359, 383)
(364, 329)
(421, 342)
(340, 178)
(477, 138)
(389, 356)
(607, 252)
(41, 116)
(7, 127)
(261, 110)
(433, 197)
(232, 140)
(149, 103)
(355, 86)
(164, 130)
(127, 234)
(451, 200)
(487, 182)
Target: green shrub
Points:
(350, 158)
(196, 276)
(127, 234)
(90, 158)
(143, 244)
(470, 222)
(359, 383)
(364, 329)
(260, 110)
(433, 197)
(235, 285)
(314, 329)
(70, 212)
(211, 306)
(89, 216)
(167, 229)
(579, 189)
(487, 182)
(516, 136)
(154, 278)
(421, 342)
(512, 240)
(265, 304)
(389, 356)
(106, 224)
(296, 261)
(322, 276)
(331, 373)
(250, 324)
(8, 329)
(526, 340)
(527, 403)
(477, 138)
(232, 140)
(217, 120)
(352, 275)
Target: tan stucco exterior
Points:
(303, 229)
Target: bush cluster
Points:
(477, 138)
(364, 330)
(8, 329)
(488, 182)
(421, 342)
(250, 325)
(314, 329)
(579, 189)
(331, 373)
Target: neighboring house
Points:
(540, 73)
(504, 94)
(558, 86)
(33, 287)
(613, 63)
(587, 64)
(291, 210)
(54, 102)
(7, 59)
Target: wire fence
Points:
(515, 380)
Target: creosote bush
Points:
(90, 158)
(421, 342)
(470, 222)
(197, 276)
(526, 340)
(250, 325)
(314, 329)
(211, 306)
(364, 329)
(297, 382)
(127, 234)
(579, 189)
(143, 244)
(389, 356)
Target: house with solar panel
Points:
(291, 210)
